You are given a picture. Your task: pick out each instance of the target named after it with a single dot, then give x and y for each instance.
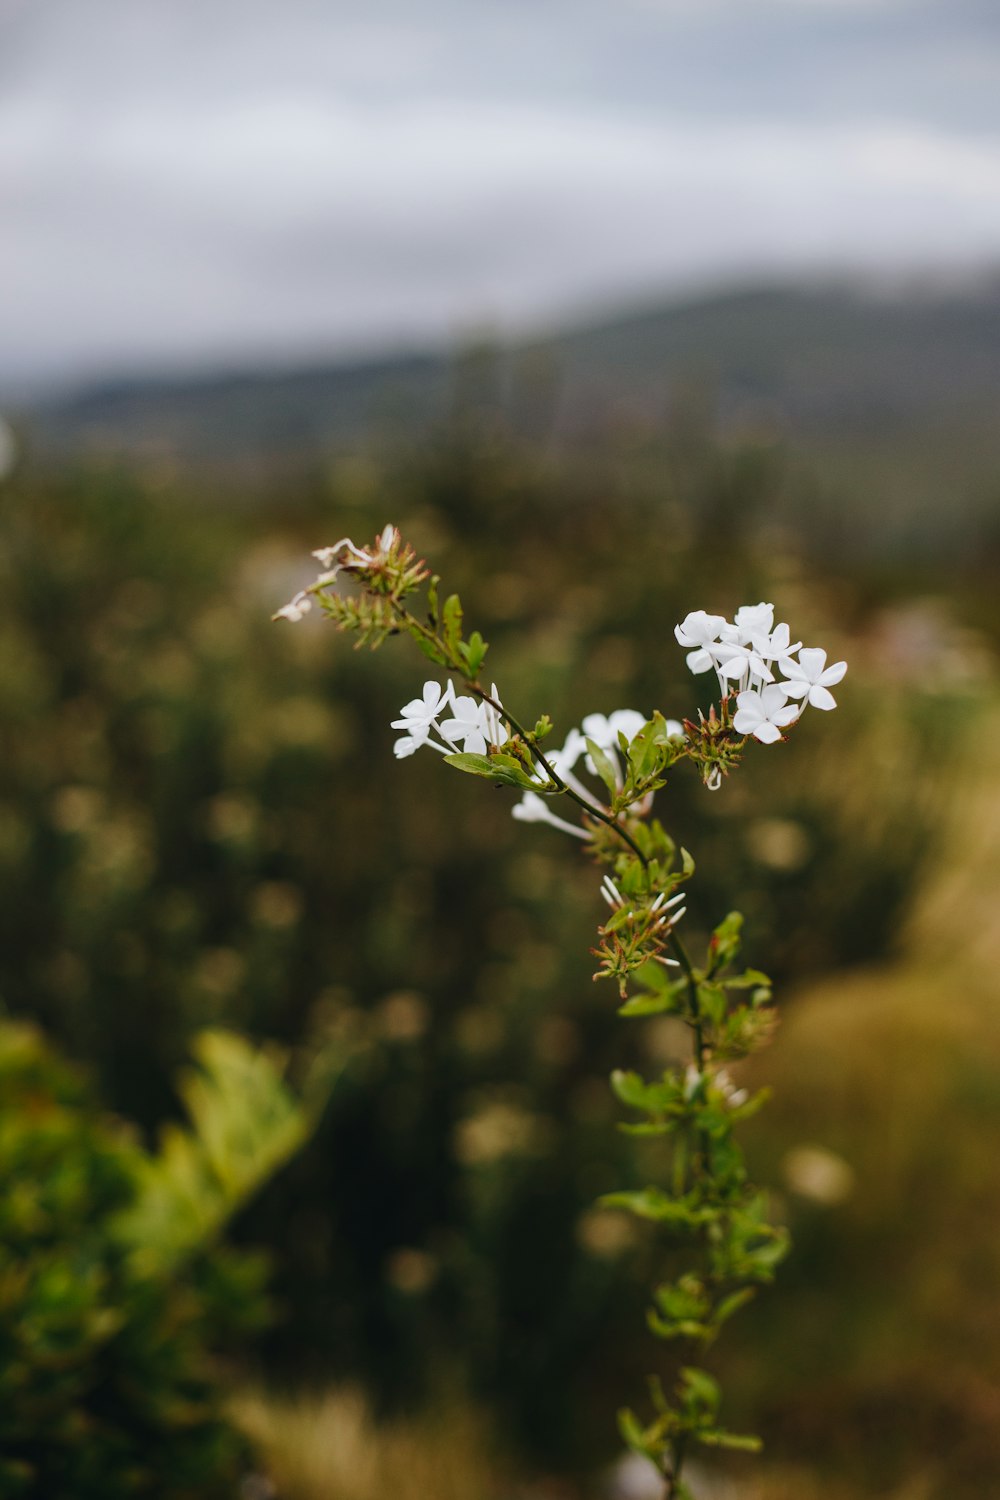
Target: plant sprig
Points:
(706, 1206)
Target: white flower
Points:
(701, 631)
(535, 809)
(764, 714)
(475, 724)
(754, 620)
(810, 678)
(420, 715)
(295, 608)
(605, 731)
(743, 664)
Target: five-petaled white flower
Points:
(420, 716)
(764, 714)
(475, 724)
(700, 631)
(810, 678)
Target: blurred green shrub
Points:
(115, 1298)
(187, 806)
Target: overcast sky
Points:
(192, 182)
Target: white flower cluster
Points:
(603, 730)
(342, 556)
(744, 653)
(471, 725)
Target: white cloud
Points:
(279, 204)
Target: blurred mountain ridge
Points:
(815, 361)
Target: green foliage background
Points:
(202, 823)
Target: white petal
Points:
(746, 720)
(626, 721)
(475, 743)
(405, 746)
(785, 716)
(735, 666)
(833, 674)
(597, 728)
(819, 697)
(772, 699)
(766, 732)
(812, 660)
(699, 661)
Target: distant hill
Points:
(816, 360)
(888, 403)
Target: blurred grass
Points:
(329, 1447)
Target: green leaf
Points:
(732, 1304)
(499, 768)
(476, 765)
(473, 652)
(699, 1391)
(716, 1437)
(542, 728)
(725, 943)
(451, 619)
(652, 1203)
(634, 1435)
(634, 1091)
(430, 648)
(603, 766)
(747, 980)
(711, 1002)
(685, 1328)
(432, 599)
(663, 1003)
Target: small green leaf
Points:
(716, 1437)
(747, 980)
(633, 1433)
(476, 765)
(432, 599)
(652, 1203)
(732, 1304)
(725, 942)
(651, 1005)
(698, 1390)
(711, 1002)
(603, 766)
(451, 620)
(473, 652)
(543, 727)
(430, 648)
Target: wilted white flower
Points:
(295, 608)
(764, 714)
(810, 678)
(334, 558)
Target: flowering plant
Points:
(608, 771)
